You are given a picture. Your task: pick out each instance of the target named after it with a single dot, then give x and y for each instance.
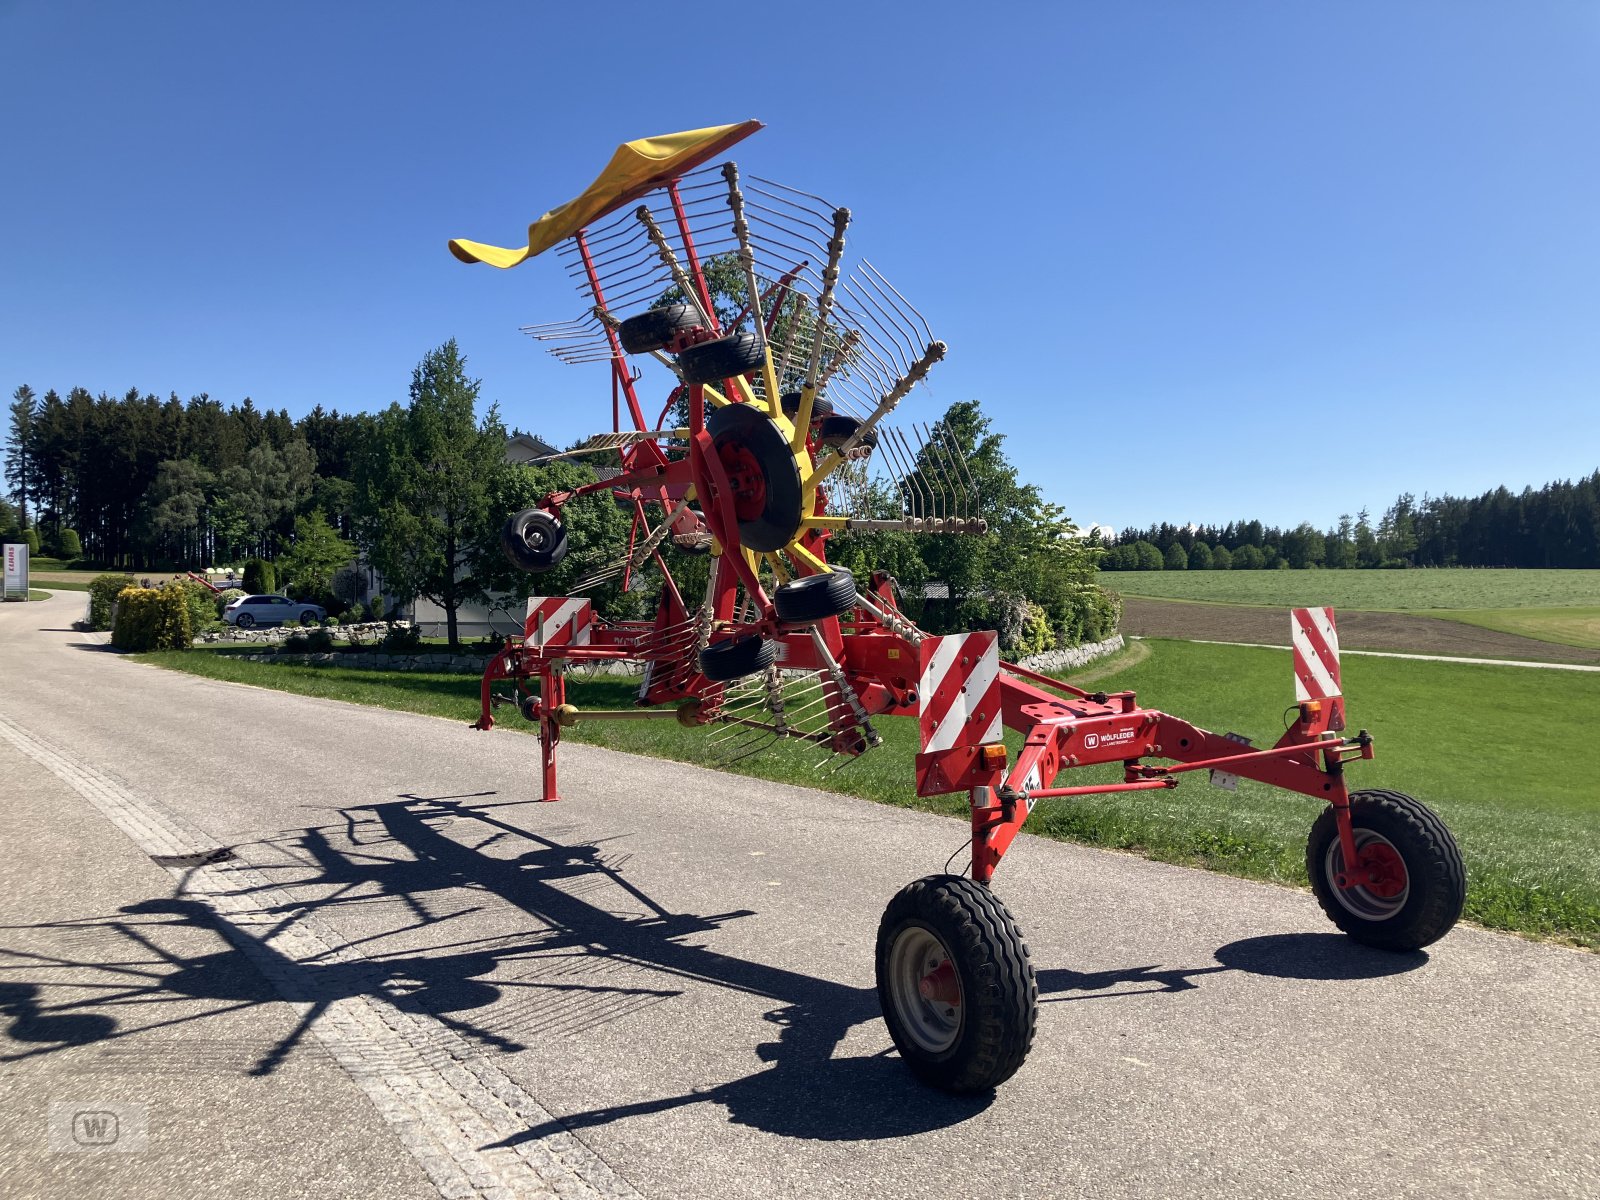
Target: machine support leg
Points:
(552, 694)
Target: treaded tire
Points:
(836, 429)
(1435, 877)
(653, 330)
(723, 358)
(308, 617)
(815, 597)
(992, 1031)
(821, 406)
(534, 541)
(245, 621)
(737, 657)
(778, 519)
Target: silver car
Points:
(248, 611)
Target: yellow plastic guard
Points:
(636, 168)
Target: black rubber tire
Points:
(815, 597)
(310, 618)
(527, 706)
(534, 541)
(245, 621)
(723, 358)
(780, 515)
(655, 329)
(1436, 878)
(821, 406)
(999, 994)
(737, 657)
(836, 429)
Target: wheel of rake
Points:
(534, 541)
(815, 597)
(721, 662)
(955, 983)
(657, 328)
(836, 429)
(821, 406)
(722, 358)
(1413, 883)
(763, 475)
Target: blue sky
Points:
(1198, 261)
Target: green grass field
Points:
(1552, 606)
(1383, 591)
(1526, 813)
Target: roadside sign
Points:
(16, 570)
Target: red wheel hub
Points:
(941, 986)
(749, 485)
(1381, 870)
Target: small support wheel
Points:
(836, 429)
(1410, 884)
(534, 541)
(821, 406)
(657, 328)
(956, 985)
(815, 597)
(722, 358)
(737, 657)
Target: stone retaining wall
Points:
(232, 634)
(1073, 657)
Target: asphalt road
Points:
(395, 975)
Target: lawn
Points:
(1527, 819)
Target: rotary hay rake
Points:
(784, 402)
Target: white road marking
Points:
(446, 1103)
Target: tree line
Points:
(1557, 525)
(421, 489)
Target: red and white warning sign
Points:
(558, 621)
(959, 693)
(1316, 654)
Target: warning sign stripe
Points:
(1316, 653)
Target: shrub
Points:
(71, 546)
(152, 619)
(31, 538)
(201, 602)
(227, 598)
(330, 622)
(378, 605)
(402, 639)
(319, 641)
(291, 624)
(356, 614)
(295, 643)
(103, 592)
(259, 577)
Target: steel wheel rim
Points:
(1363, 901)
(932, 1023)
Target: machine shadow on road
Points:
(428, 855)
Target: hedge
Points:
(152, 619)
(103, 592)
